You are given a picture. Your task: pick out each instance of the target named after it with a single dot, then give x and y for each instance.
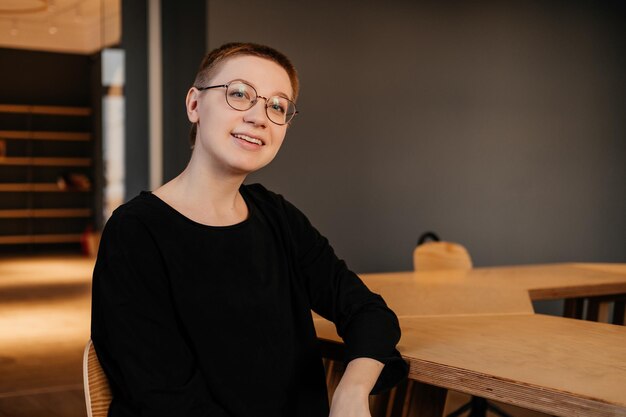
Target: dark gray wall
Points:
(184, 43)
(135, 45)
(497, 125)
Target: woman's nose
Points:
(256, 114)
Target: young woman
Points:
(203, 288)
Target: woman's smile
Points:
(248, 138)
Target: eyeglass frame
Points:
(253, 103)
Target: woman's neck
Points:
(206, 196)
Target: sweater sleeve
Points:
(367, 326)
(136, 332)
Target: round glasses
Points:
(242, 96)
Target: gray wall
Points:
(497, 125)
(136, 128)
(183, 42)
(183, 26)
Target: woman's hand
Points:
(351, 398)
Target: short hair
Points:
(211, 61)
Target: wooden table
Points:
(495, 289)
(475, 332)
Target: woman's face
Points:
(238, 142)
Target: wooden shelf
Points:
(43, 187)
(44, 161)
(26, 239)
(58, 138)
(44, 135)
(53, 110)
(44, 213)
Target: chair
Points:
(97, 391)
(438, 255)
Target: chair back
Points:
(97, 390)
(431, 256)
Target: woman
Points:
(203, 289)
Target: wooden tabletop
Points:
(554, 281)
(446, 293)
(544, 363)
(494, 290)
(604, 267)
(474, 331)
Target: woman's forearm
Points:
(351, 396)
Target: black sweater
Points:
(195, 320)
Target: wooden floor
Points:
(44, 325)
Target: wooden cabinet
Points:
(46, 172)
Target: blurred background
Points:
(500, 125)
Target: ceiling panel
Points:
(74, 26)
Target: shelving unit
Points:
(44, 213)
(51, 187)
(40, 147)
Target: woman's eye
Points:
(238, 94)
(277, 106)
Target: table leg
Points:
(334, 372)
(423, 400)
(598, 308)
(573, 308)
(619, 313)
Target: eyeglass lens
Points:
(241, 96)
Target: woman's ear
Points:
(191, 103)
